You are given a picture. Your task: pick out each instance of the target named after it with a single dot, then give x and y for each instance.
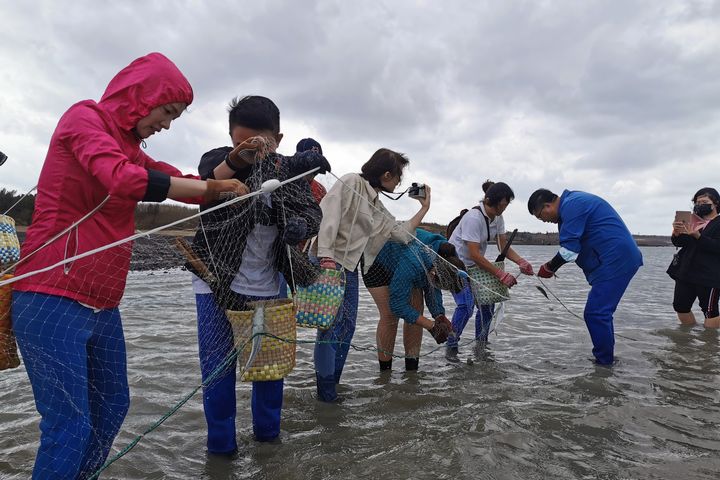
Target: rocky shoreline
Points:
(158, 252)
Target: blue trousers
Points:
(465, 305)
(76, 363)
(602, 302)
(215, 341)
(333, 345)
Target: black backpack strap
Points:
(487, 221)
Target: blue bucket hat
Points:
(308, 144)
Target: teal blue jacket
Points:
(409, 265)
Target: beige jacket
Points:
(356, 223)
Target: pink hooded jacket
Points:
(94, 153)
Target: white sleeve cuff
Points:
(567, 255)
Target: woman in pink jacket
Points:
(66, 319)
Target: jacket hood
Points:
(148, 82)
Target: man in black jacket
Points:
(244, 247)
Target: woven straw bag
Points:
(8, 348)
(318, 304)
(276, 358)
(9, 244)
(486, 287)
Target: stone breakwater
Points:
(156, 252)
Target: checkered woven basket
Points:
(317, 305)
(276, 358)
(9, 244)
(8, 348)
(486, 287)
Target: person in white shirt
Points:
(478, 226)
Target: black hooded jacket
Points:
(222, 235)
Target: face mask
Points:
(703, 209)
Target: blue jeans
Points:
(465, 305)
(76, 363)
(602, 302)
(215, 341)
(330, 357)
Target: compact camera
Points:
(416, 190)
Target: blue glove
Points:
(295, 230)
(304, 161)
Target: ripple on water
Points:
(530, 405)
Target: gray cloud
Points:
(616, 98)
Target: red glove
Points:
(545, 272)
(507, 279)
(327, 262)
(525, 267)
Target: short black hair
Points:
(538, 198)
(384, 160)
(711, 193)
(497, 192)
(255, 112)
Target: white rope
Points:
(147, 233)
(74, 225)
(21, 199)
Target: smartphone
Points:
(684, 216)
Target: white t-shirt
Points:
(257, 275)
(473, 228)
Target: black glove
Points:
(295, 230)
(304, 161)
(442, 329)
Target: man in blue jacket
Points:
(593, 235)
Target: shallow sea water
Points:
(530, 406)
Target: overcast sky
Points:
(618, 98)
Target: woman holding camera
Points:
(356, 224)
(696, 267)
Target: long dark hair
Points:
(384, 160)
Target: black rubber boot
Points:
(411, 364)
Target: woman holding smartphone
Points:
(696, 267)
